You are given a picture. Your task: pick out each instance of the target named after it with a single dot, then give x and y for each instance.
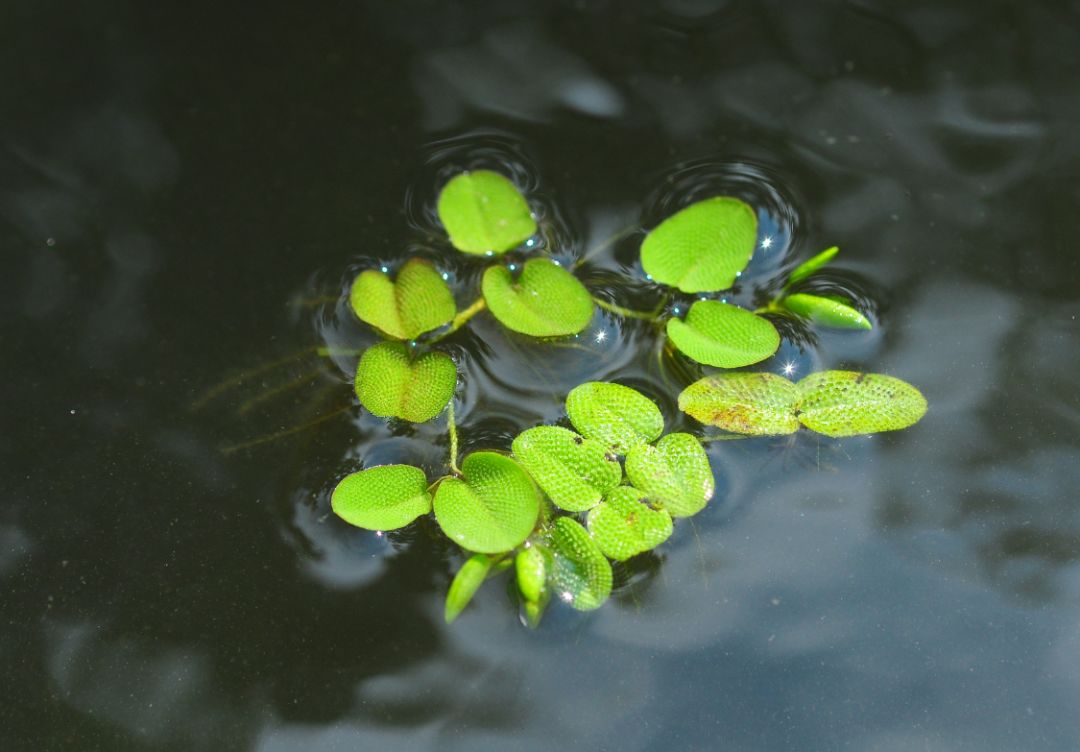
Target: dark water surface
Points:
(183, 185)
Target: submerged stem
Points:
(723, 437)
(603, 245)
(230, 449)
(329, 352)
(625, 312)
(237, 379)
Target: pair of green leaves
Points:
(703, 248)
(834, 403)
(484, 213)
(418, 301)
(491, 508)
(392, 381)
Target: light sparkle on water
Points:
(788, 368)
(766, 242)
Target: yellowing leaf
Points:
(758, 404)
(847, 403)
(623, 525)
(674, 474)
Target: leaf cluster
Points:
(566, 501)
(562, 504)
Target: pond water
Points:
(184, 193)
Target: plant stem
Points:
(461, 319)
(452, 427)
(624, 312)
(722, 437)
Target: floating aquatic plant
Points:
(563, 502)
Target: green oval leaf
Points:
(544, 301)
(492, 509)
(532, 566)
(417, 302)
(811, 265)
(827, 311)
(723, 335)
(392, 383)
(382, 498)
(573, 471)
(624, 526)
(580, 575)
(484, 213)
(674, 474)
(757, 404)
(847, 403)
(703, 247)
(465, 584)
(613, 414)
